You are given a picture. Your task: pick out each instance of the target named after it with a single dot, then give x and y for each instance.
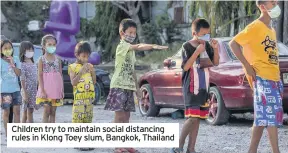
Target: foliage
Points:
(218, 13)
(157, 57)
(150, 32)
(163, 20)
(104, 26)
(19, 13)
(194, 9)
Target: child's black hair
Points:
(25, 45)
(199, 23)
(126, 23)
(3, 42)
(44, 40)
(260, 2)
(82, 47)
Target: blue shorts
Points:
(10, 99)
(268, 110)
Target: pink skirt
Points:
(53, 86)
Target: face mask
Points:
(29, 54)
(51, 49)
(274, 12)
(7, 52)
(129, 38)
(205, 37)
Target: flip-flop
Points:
(132, 150)
(120, 150)
(84, 149)
(176, 150)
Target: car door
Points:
(176, 98)
(167, 89)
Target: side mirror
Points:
(173, 64)
(167, 62)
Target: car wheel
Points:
(147, 105)
(218, 114)
(98, 93)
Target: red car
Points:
(229, 90)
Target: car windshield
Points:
(283, 50)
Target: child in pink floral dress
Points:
(50, 91)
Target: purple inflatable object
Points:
(64, 23)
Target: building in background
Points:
(87, 9)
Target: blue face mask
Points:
(51, 49)
(205, 37)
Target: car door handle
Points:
(177, 73)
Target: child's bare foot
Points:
(121, 150)
(132, 150)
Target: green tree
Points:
(19, 13)
(132, 9)
(105, 27)
(226, 17)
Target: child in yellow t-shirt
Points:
(83, 78)
(260, 60)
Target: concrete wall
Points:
(159, 7)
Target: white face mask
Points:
(274, 12)
(29, 54)
(205, 37)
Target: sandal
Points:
(176, 150)
(132, 150)
(84, 149)
(120, 150)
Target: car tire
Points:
(222, 115)
(152, 110)
(98, 93)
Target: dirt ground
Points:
(231, 138)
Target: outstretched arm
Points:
(143, 47)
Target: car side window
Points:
(178, 54)
(177, 59)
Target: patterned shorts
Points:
(10, 99)
(268, 109)
(120, 100)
